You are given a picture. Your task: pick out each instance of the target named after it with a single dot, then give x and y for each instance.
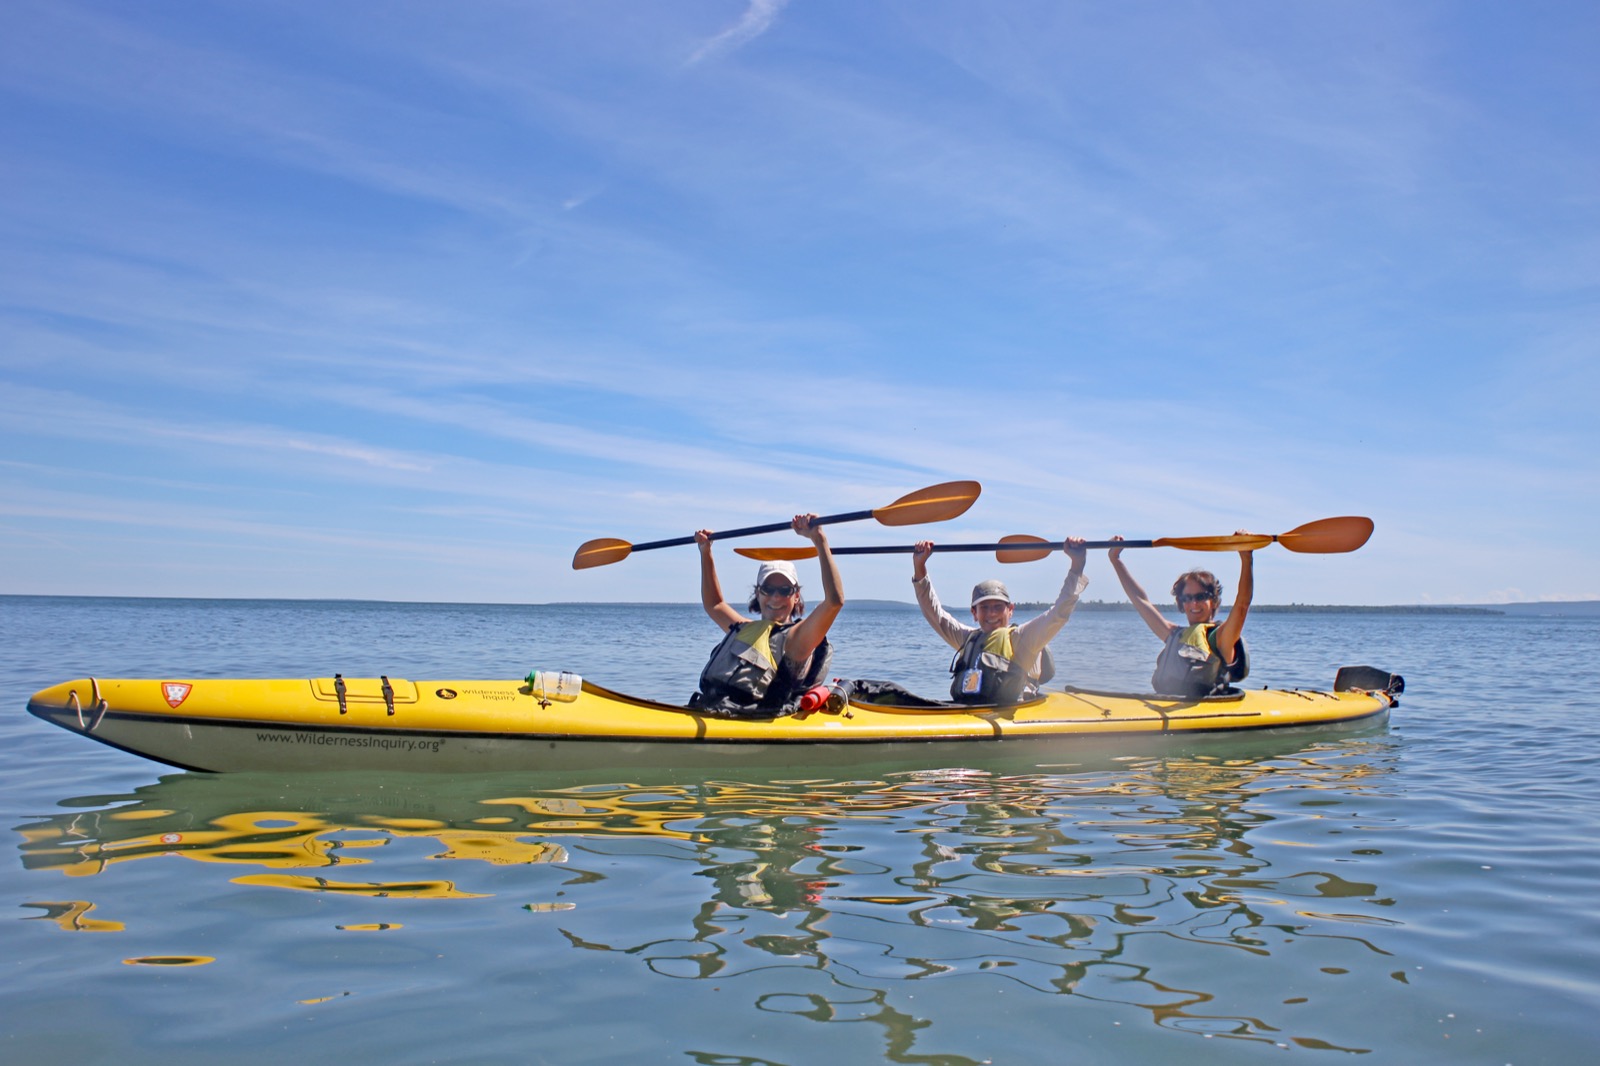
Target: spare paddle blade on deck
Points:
(602, 551)
(1328, 536)
(1022, 553)
(936, 503)
(772, 555)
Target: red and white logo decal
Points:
(175, 692)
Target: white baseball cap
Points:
(780, 567)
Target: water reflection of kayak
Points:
(283, 829)
(484, 726)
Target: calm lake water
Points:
(1427, 891)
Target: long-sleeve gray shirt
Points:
(1031, 636)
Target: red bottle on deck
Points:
(829, 699)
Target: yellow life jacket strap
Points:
(999, 643)
(758, 635)
(1199, 635)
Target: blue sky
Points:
(408, 300)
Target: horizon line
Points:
(1091, 604)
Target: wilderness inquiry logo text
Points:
(343, 741)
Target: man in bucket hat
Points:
(997, 662)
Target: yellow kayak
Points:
(392, 724)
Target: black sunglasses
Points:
(1196, 597)
(778, 590)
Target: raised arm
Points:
(953, 633)
(721, 612)
(1035, 633)
(1141, 603)
(805, 637)
(1228, 632)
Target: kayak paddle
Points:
(1323, 537)
(936, 503)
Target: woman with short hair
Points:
(1202, 656)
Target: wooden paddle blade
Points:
(770, 555)
(1233, 542)
(600, 552)
(1328, 536)
(936, 503)
(1021, 554)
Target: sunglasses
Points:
(778, 590)
(1196, 597)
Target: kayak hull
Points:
(401, 726)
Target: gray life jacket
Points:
(985, 673)
(1185, 669)
(748, 677)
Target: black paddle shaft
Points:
(907, 549)
(751, 531)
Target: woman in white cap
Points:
(997, 662)
(763, 665)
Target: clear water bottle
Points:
(547, 685)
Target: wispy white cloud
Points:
(756, 20)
